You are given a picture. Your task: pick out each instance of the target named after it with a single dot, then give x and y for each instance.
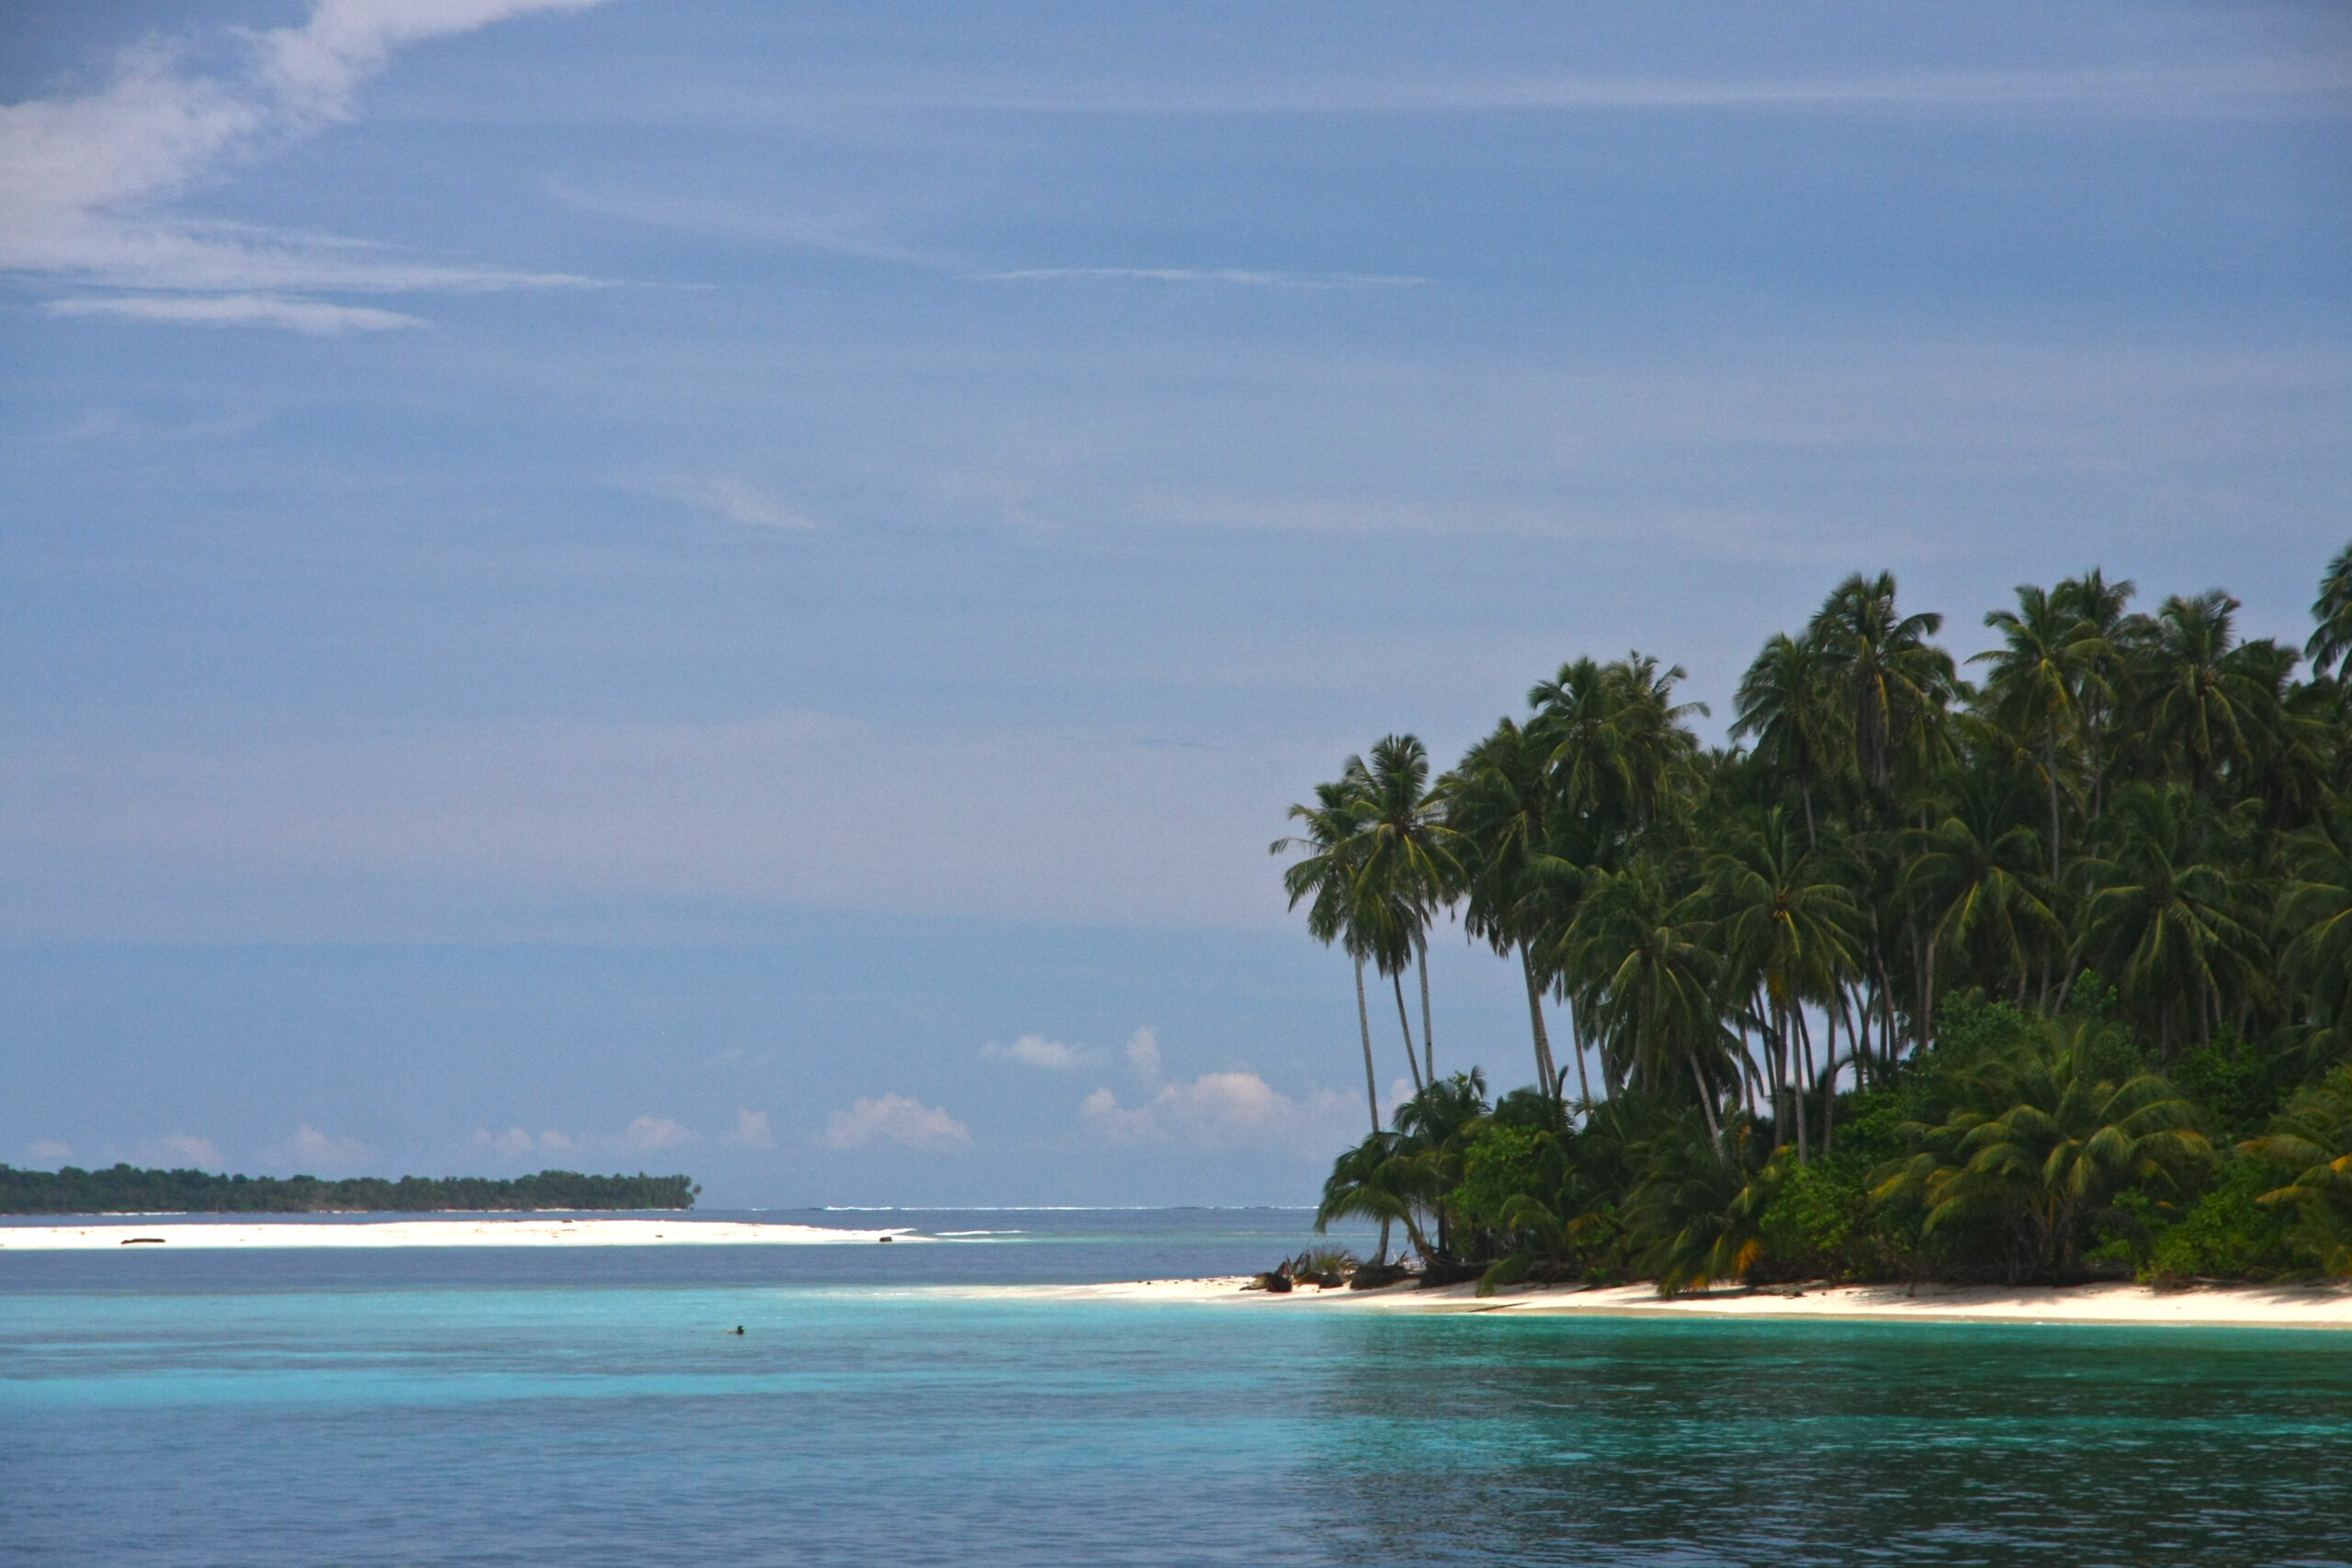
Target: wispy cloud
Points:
(898, 1120)
(48, 1151)
(1240, 277)
(1036, 1051)
(314, 318)
(85, 181)
(1143, 1055)
(739, 503)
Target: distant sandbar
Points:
(132, 1234)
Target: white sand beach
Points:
(157, 1232)
(2211, 1306)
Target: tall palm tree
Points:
(1892, 684)
(1334, 840)
(1783, 705)
(2202, 698)
(2038, 674)
(2331, 643)
(2104, 637)
(1789, 935)
(1407, 871)
(1500, 809)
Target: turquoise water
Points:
(518, 1407)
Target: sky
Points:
(689, 586)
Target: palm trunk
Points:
(1370, 1078)
(1412, 1062)
(1801, 1043)
(1428, 1045)
(1546, 1073)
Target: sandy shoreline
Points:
(158, 1233)
(2209, 1306)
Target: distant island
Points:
(126, 1190)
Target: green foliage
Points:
(2229, 1232)
(1934, 979)
(123, 1189)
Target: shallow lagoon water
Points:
(590, 1408)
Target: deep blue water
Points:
(589, 1408)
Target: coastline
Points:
(2117, 1305)
(143, 1233)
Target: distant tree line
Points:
(2039, 977)
(125, 1189)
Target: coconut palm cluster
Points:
(2036, 963)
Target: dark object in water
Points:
(1375, 1276)
(883, 1238)
(135, 1240)
(739, 1329)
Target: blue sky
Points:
(621, 584)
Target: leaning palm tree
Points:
(1407, 871)
(1334, 840)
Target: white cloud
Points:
(186, 1149)
(49, 1151)
(740, 503)
(895, 1119)
(83, 179)
(1036, 1051)
(1218, 1110)
(516, 1142)
(1143, 1055)
(310, 317)
(752, 1132)
(313, 1147)
(658, 1132)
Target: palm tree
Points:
(1407, 870)
(1891, 685)
(1500, 805)
(1334, 839)
(1781, 704)
(2037, 681)
(2316, 918)
(1788, 936)
(2167, 922)
(1974, 872)
(2331, 644)
(2104, 637)
(1641, 958)
(2203, 698)
(2040, 1143)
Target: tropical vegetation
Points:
(2035, 964)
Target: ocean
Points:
(884, 1405)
